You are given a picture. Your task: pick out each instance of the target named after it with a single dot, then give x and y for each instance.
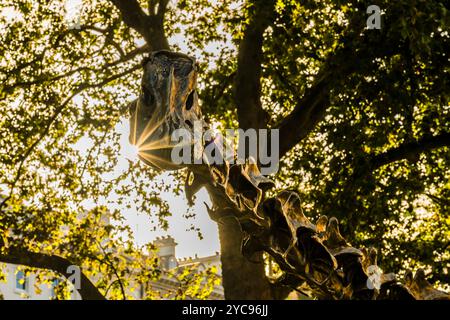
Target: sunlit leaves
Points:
(63, 91)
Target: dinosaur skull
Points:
(168, 101)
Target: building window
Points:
(21, 281)
(172, 262)
(164, 263)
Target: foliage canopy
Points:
(363, 116)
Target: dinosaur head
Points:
(167, 101)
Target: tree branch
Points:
(43, 78)
(410, 150)
(80, 88)
(247, 86)
(87, 290)
(132, 15)
(149, 26)
(114, 269)
(162, 7)
(358, 49)
(308, 111)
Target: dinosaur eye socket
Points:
(190, 100)
(147, 96)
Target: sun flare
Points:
(130, 152)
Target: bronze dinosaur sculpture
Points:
(313, 257)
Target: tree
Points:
(363, 115)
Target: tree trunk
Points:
(241, 279)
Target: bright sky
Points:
(189, 243)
